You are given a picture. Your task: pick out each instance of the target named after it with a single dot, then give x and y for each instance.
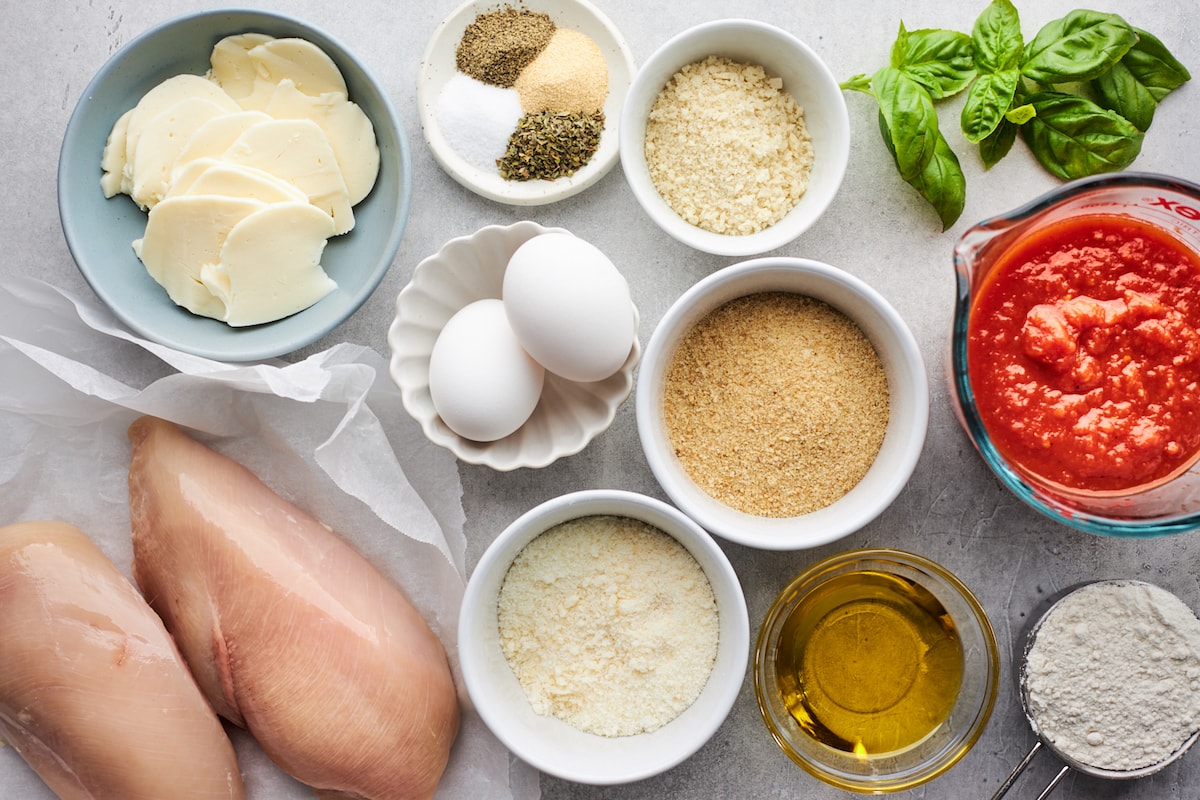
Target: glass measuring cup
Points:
(1173, 205)
(1043, 741)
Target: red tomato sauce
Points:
(1084, 353)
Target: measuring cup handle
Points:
(1050, 786)
(1016, 773)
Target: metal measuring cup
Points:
(1070, 763)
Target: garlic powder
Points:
(609, 624)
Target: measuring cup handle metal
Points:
(1016, 773)
(1017, 770)
(1050, 786)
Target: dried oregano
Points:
(550, 145)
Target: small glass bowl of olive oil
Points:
(876, 670)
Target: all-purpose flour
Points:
(1113, 675)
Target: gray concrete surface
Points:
(952, 511)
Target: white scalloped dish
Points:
(469, 268)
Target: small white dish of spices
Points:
(734, 137)
(521, 102)
(603, 637)
(481, 393)
(782, 403)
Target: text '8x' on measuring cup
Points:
(1043, 741)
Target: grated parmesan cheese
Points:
(609, 624)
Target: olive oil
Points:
(869, 663)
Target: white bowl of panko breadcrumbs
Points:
(782, 403)
(734, 137)
(603, 636)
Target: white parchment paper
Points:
(328, 433)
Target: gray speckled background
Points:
(952, 511)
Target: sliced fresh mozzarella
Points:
(166, 94)
(349, 131)
(298, 151)
(213, 176)
(270, 265)
(112, 161)
(214, 137)
(231, 67)
(163, 138)
(308, 66)
(183, 234)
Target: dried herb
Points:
(550, 145)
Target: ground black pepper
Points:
(550, 145)
(499, 44)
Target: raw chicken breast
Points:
(93, 693)
(289, 631)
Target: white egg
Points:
(482, 382)
(569, 307)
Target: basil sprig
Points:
(926, 65)
(1081, 94)
(996, 46)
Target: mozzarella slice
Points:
(212, 176)
(231, 67)
(214, 137)
(297, 151)
(301, 61)
(112, 160)
(166, 94)
(270, 264)
(349, 131)
(183, 234)
(163, 138)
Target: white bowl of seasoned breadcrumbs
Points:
(734, 137)
(603, 637)
(782, 403)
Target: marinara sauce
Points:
(1084, 353)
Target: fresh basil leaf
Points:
(998, 143)
(911, 120)
(990, 95)
(939, 60)
(1138, 82)
(1080, 46)
(1072, 137)
(857, 83)
(1152, 63)
(1019, 115)
(886, 132)
(1118, 90)
(942, 182)
(996, 41)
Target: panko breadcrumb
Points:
(776, 404)
(727, 147)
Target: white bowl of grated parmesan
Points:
(734, 137)
(603, 637)
(782, 403)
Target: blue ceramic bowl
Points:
(99, 231)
